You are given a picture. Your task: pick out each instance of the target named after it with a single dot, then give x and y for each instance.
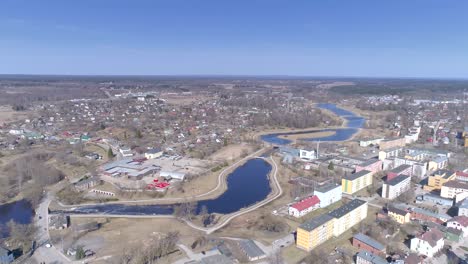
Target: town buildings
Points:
(399, 215)
(369, 244)
(463, 208)
(428, 243)
(304, 207)
(348, 215)
(305, 154)
(319, 229)
(438, 178)
(392, 188)
(314, 232)
(428, 216)
(402, 169)
(357, 181)
(460, 223)
(453, 189)
(328, 194)
(373, 165)
(251, 250)
(366, 257)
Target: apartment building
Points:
(373, 165)
(429, 243)
(348, 215)
(357, 181)
(402, 169)
(391, 189)
(453, 189)
(399, 215)
(315, 232)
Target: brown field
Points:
(7, 115)
(231, 152)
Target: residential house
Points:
(6, 256)
(454, 188)
(402, 169)
(369, 244)
(328, 194)
(304, 207)
(357, 181)
(348, 215)
(399, 215)
(452, 234)
(392, 188)
(460, 223)
(125, 151)
(373, 165)
(314, 232)
(428, 243)
(153, 153)
(438, 178)
(366, 257)
(462, 176)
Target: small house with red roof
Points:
(305, 206)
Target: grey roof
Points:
(429, 213)
(368, 162)
(215, 259)
(400, 168)
(251, 249)
(397, 179)
(397, 210)
(326, 187)
(315, 222)
(374, 259)
(369, 241)
(444, 173)
(345, 209)
(356, 175)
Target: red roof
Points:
(306, 203)
(461, 219)
(462, 174)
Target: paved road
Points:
(221, 183)
(42, 253)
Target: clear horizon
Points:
(333, 39)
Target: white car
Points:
(48, 245)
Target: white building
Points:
(304, 207)
(126, 151)
(328, 194)
(393, 188)
(307, 154)
(153, 153)
(368, 142)
(463, 208)
(451, 189)
(460, 223)
(429, 243)
(168, 175)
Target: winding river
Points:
(353, 124)
(246, 185)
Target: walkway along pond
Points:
(246, 185)
(353, 124)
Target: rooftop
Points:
(401, 168)
(345, 209)
(398, 179)
(306, 203)
(461, 219)
(366, 255)
(356, 175)
(431, 236)
(456, 184)
(327, 187)
(397, 210)
(316, 222)
(251, 249)
(368, 162)
(443, 173)
(369, 241)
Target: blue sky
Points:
(398, 38)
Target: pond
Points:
(246, 185)
(19, 211)
(353, 123)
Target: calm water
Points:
(19, 211)
(247, 185)
(354, 122)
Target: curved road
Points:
(224, 221)
(221, 183)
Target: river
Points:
(246, 185)
(353, 124)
